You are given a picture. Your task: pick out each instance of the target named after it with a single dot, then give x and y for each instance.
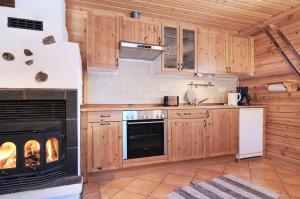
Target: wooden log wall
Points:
(283, 112)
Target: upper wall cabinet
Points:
(140, 30)
(180, 42)
(240, 56)
(223, 54)
(103, 44)
(212, 52)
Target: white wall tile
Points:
(134, 83)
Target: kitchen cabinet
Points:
(180, 55)
(220, 53)
(240, 56)
(186, 139)
(222, 132)
(103, 41)
(103, 146)
(212, 52)
(140, 31)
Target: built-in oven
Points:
(144, 133)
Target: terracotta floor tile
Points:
(94, 195)
(240, 164)
(109, 188)
(276, 186)
(289, 178)
(293, 190)
(155, 177)
(206, 175)
(162, 191)
(214, 167)
(283, 196)
(177, 180)
(144, 187)
(261, 165)
(90, 188)
(237, 171)
(128, 195)
(185, 171)
(264, 175)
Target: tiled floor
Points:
(157, 185)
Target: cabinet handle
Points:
(104, 115)
(105, 124)
(226, 69)
(178, 66)
(117, 62)
(187, 113)
(205, 123)
(99, 168)
(159, 40)
(229, 69)
(207, 114)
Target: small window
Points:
(32, 153)
(8, 153)
(7, 3)
(51, 150)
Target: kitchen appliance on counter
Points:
(234, 98)
(144, 133)
(171, 100)
(245, 98)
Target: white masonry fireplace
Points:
(40, 97)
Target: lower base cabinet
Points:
(103, 146)
(213, 136)
(186, 139)
(222, 132)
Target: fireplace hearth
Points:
(38, 139)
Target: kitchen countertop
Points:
(128, 107)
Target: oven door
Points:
(144, 138)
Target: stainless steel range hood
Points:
(131, 50)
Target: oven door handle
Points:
(152, 122)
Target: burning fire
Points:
(52, 150)
(32, 153)
(8, 155)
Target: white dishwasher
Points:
(251, 130)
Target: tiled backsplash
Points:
(134, 83)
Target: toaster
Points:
(171, 100)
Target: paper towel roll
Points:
(276, 87)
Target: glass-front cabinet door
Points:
(188, 49)
(180, 53)
(170, 57)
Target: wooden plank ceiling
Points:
(238, 15)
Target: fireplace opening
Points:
(32, 153)
(8, 154)
(32, 142)
(52, 150)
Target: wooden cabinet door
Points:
(103, 41)
(240, 56)
(103, 146)
(212, 52)
(141, 31)
(188, 48)
(171, 56)
(186, 139)
(222, 132)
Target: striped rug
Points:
(226, 186)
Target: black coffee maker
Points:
(245, 98)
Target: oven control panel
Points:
(145, 115)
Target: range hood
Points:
(132, 50)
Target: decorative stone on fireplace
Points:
(38, 139)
